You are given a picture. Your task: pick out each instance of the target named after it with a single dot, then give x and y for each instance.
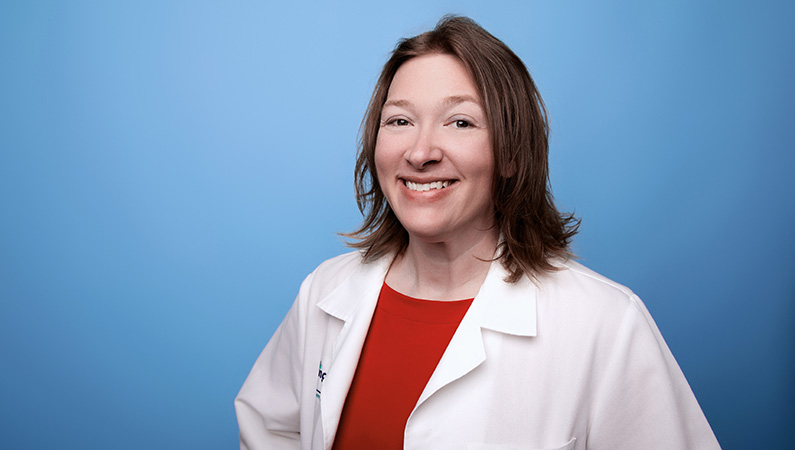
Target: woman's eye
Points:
(397, 122)
(462, 124)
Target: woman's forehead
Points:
(437, 78)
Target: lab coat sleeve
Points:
(268, 404)
(644, 400)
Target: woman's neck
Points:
(443, 270)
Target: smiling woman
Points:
(434, 163)
(462, 322)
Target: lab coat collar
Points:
(358, 291)
(506, 307)
(500, 306)
(353, 302)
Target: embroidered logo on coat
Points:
(321, 377)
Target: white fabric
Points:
(572, 362)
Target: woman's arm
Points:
(644, 400)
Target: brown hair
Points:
(533, 230)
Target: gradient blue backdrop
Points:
(170, 171)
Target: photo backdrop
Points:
(171, 170)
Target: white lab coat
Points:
(573, 361)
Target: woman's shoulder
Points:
(341, 269)
(336, 269)
(574, 282)
(346, 262)
(599, 309)
(587, 276)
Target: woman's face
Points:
(433, 154)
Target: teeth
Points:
(422, 187)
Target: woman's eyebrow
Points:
(448, 101)
(398, 103)
(458, 99)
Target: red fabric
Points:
(406, 340)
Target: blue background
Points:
(170, 171)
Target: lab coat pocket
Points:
(567, 446)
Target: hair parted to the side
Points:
(533, 230)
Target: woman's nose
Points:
(425, 150)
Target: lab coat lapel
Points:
(353, 303)
(499, 306)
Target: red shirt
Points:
(406, 340)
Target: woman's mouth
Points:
(422, 187)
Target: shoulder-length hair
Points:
(533, 231)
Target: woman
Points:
(461, 322)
